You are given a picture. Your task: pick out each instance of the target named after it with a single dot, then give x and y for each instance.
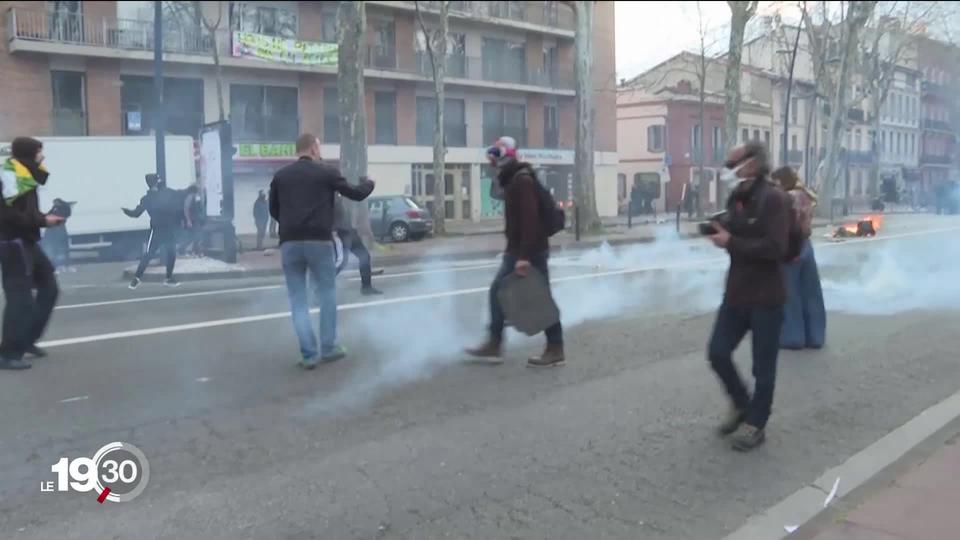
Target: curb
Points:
(400, 260)
(806, 504)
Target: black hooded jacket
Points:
(22, 218)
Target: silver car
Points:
(399, 217)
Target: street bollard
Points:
(576, 221)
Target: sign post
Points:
(216, 178)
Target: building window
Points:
(695, 149)
(756, 135)
(328, 23)
(384, 49)
(551, 127)
(454, 121)
(264, 113)
(456, 54)
(621, 187)
(766, 138)
(504, 61)
(183, 99)
(794, 110)
(717, 144)
(793, 142)
(856, 139)
(898, 144)
(331, 115)
(266, 20)
(69, 103)
(655, 138)
(385, 117)
(501, 119)
(745, 136)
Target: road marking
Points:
(418, 297)
(255, 289)
(203, 379)
(71, 400)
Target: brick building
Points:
(85, 68)
(940, 83)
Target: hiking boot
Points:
(552, 357)
(134, 283)
(14, 363)
(733, 420)
(747, 438)
(171, 282)
(492, 349)
(36, 352)
(370, 291)
(336, 353)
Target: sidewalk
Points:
(921, 504)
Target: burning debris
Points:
(863, 228)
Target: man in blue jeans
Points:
(754, 233)
(527, 245)
(302, 203)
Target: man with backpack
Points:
(166, 209)
(531, 217)
(755, 231)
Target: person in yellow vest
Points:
(805, 317)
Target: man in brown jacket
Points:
(527, 245)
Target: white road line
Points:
(71, 400)
(419, 297)
(258, 288)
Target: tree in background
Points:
(740, 14)
(353, 115)
(436, 44)
(212, 26)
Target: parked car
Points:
(399, 217)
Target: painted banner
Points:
(289, 51)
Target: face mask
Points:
(729, 176)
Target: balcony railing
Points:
(455, 134)
(938, 125)
(382, 57)
(548, 14)
(79, 29)
(68, 123)
(456, 65)
(473, 68)
(931, 159)
(493, 132)
(265, 127)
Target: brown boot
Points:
(491, 349)
(552, 356)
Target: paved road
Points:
(407, 440)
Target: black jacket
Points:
(163, 205)
(260, 211)
(758, 222)
(302, 199)
(22, 219)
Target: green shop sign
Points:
(264, 151)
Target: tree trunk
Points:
(353, 114)
(698, 192)
(212, 29)
(740, 14)
(583, 154)
(438, 59)
(874, 179)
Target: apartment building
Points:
(940, 106)
(85, 68)
(900, 138)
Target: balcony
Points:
(938, 125)
(265, 127)
(542, 15)
(471, 68)
(492, 132)
(382, 57)
(68, 123)
(931, 159)
(455, 134)
(456, 65)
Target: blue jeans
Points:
(317, 258)
(731, 326)
(507, 267)
(804, 316)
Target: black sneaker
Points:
(732, 422)
(134, 283)
(747, 438)
(171, 282)
(370, 291)
(14, 364)
(36, 352)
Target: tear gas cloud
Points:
(668, 276)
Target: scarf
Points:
(19, 178)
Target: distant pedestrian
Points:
(195, 216)
(165, 208)
(754, 233)
(804, 315)
(302, 202)
(527, 245)
(261, 214)
(56, 240)
(352, 243)
(25, 267)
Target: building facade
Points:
(939, 88)
(85, 68)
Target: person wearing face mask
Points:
(527, 245)
(166, 210)
(754, 232)
(25, 267)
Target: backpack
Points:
(553, 218)
(795, 234)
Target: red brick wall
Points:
(311, 104)
(94, 9)
(405, 30)
(406, 114)
(567, 120)
(103, 96)
(310, 21)
(535, 121)
(25, 87)
(534, 52)
(368, 99)
(604, 78)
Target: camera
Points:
(706, 228)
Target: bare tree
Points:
(585, 190)
(436, 44)
(740, 14)
(353, 115)
(212, 26)
(701, 74)
(826, 38)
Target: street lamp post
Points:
(159, 114)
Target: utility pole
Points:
(159, 114)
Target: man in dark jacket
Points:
(165, 208)
(24, 265)
(261, 214)
(302, 202)
(352, 243)
(527, 245)
(754, 233)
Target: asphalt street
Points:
(407, 439)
